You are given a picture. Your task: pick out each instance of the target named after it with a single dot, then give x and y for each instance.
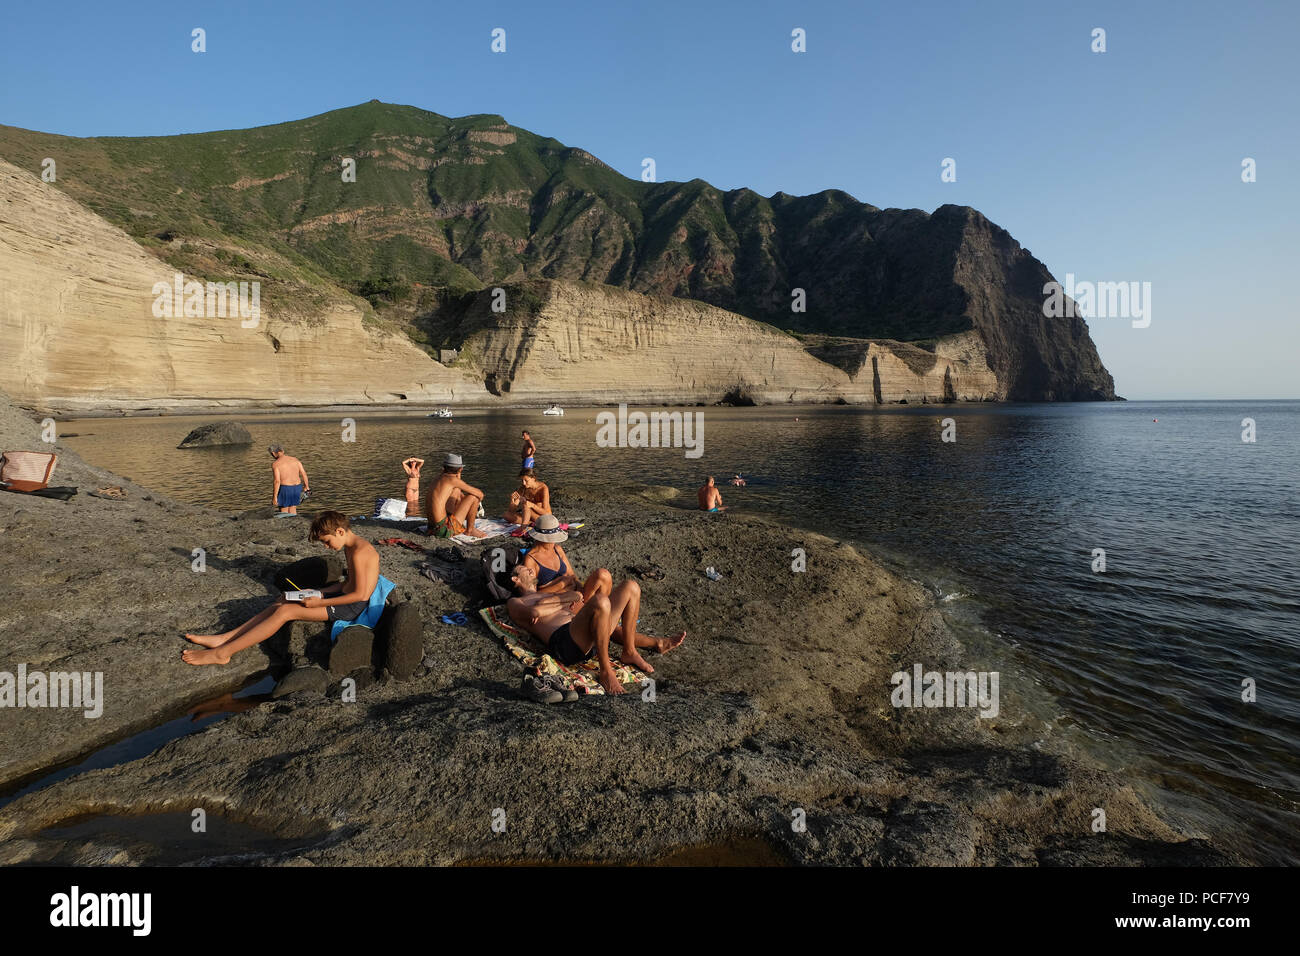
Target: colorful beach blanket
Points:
(531, 653)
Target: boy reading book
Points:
(344, 601)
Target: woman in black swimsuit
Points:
(550, 565)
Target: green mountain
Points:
(443, 207)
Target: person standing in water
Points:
(412, 468)
(529, 453)
(291, 481)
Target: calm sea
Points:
(1142, 664)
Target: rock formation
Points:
(77, 318)
(217, 433)
(443, 207)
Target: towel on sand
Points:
(492, 527)
(531, 653)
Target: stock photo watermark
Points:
(72, 690)
(1098, 300)
(638, 429)
(922, 688)
(210, 300)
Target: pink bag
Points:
(26, 470)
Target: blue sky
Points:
(1115, 166)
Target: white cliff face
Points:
(77, 323)
(597, 344)
(79, 332)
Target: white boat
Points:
(554, 410)
(440, 413)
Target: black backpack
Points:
(499, 584)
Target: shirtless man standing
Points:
(453, 505)
(412, 468)
(529, 452)
(575, 630)
(291, 481)
(710, 497)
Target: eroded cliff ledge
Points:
(80, 330)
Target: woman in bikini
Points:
(531, 500)
(550, 565)
(412, 468)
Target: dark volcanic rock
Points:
(310, 573)
(353, 649)
(311, 680)
(217, 433)
(401, 635)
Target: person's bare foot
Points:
(210, 656)
(666, 644)
(476, 533)
(633, 659)
(608, 680)
(207, 640)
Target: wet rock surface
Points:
(217, 433)
(772, 727)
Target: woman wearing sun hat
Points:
(547, 560)
(577, 627)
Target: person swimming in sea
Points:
(412, 468)
(291, 484)
(531, 500)
(343, 601)
(575, 629)
(738, 481)
(529, 452)
(710, 497)
(453, 504)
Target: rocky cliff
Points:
(558, 340)
(441, 205)
(77, 321)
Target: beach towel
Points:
(370, 616)
(531, 653)
(26, 470)
(393, 509)
(492, 527)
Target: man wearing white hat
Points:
(453, 505)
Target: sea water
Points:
(1144, 655)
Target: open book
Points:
(301, 595)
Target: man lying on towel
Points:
(575, 630)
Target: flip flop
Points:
(458, 618)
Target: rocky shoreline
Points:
(771, 737)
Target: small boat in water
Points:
(443, 412)
(554, 410)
